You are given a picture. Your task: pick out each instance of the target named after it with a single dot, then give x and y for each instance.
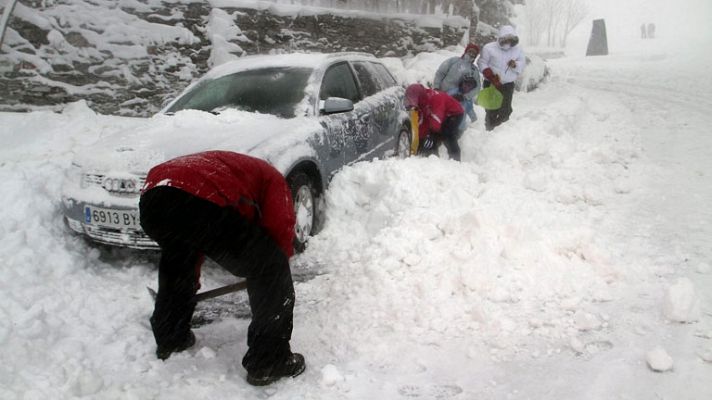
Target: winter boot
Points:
(165, 351)
(291, 366)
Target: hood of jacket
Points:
(506, 30)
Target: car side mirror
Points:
(334, 105)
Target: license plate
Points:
(122, 219)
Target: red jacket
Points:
(434, 108)
(236, 180)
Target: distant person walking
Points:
(651, 31)
(643, 31)
(238, 211)
(460, 78)
(501, 63)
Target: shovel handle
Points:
(209, 294)
(415, 138)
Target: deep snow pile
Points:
(545, 265)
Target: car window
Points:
(339, 82)
(383, 76)
(276, 91)
(365, 78)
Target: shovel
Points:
(212, 293)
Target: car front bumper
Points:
(76, 219)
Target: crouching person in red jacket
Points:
(238, 211)
(440, 117)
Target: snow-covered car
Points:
(306, 114)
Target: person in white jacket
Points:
(501, 63)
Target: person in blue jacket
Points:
(460, 78)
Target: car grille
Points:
(123, 187)
(131, 238)
(93, 179)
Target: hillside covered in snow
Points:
(129, 57)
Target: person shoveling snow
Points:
(238, 211)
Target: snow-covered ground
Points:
(564, 258)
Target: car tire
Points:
(305, 199)
(403, 141)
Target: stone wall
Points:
(51, 57)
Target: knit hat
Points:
(470, 47)
(414, 95)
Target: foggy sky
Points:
(679, 24)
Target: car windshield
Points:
(275, 91)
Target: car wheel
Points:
(304, 196)
(403, 142)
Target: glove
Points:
(428, 142)
(512, 64)
(492, 77)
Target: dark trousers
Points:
(494, 118)
(449, 134)
(450, 130)
(186, 227)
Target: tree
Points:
(494, 12)
(535, 22)
(555, 18)
(574, 13)
(552, 17)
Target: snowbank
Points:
(535, 268)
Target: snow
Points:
(282, 8)
(164, 137)
(539, 267)
(681, 302)
(707, 355)
(330, 375)
(303, 60)
(659, 360)
(25, 13)
(221, 30)
(678, 24)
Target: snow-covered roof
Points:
(298, 60)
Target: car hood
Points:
(168, 136)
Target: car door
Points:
(347, 132)
(383, 107)
(392, 103)
(372, 105)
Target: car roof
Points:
(298, 60)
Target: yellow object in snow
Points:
(415, 136)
